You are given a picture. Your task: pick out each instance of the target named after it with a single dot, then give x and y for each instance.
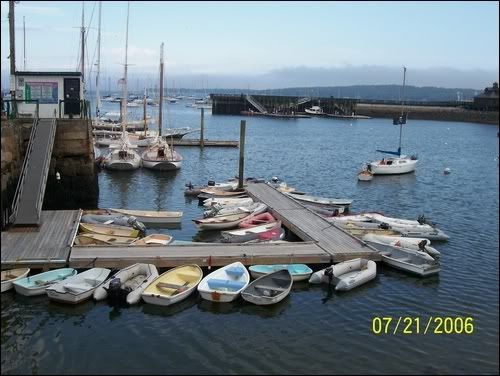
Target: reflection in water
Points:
(218, 308)
(157, 310)
(265, 311)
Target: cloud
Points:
(40, 11)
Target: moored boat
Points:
(224, 284)
(346, 275)
(299, 272)
(128, 283)
(262, 232)
(154, 239)
(79, 287)
(321, 201)
(410, 262)
(365, 175)
(221, 222)
(173, 286)
(152, 216)
(420, 244)
(12, 275)
(269, 289)
(38, 283)
(257, 220)
(100, 239)
(227, 201)
(109, 230)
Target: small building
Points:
(55, 91)
(488, 100)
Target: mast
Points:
(24, 43)
(401, 119)
(125, 89)
(161, 91)
(12, 55)
(83, 45)
(97, 93)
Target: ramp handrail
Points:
(24, 169)
(304, 100)
(256, 104)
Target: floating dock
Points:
(51, 246)
(213, 143)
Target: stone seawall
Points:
(428, 113)
(72, 157)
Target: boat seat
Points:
(404, 259)
(235, 271)
(91, 281)
(74, 288)
(275, 288)
(215, 284)
(188, 276)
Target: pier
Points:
(197, 142)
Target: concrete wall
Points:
(72, 157)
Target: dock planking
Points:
(310, 226)
(47, 246)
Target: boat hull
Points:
(394, 169)
(348, 274)
(28, 286)
(8, 284)
(257, 271)
(161, 165)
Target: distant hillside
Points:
(376, 92)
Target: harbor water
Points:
(313, 330)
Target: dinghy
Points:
(319, 201)
(346, 275)
(269, 289)
(78, 288)
(154, 239)
(99, 239)
(12, 275)
(113, 219)
(109, 230)
(152, 216)
(221, 193)
(36, 284)
(257, 220)
(362, 228)
(227, 201)
(299, 272)
(224, 284)
(173, 286)
(128, 283)
(410, 261)
(419, 244)
(218, 209)
(384, 247)
(220, 222)
(251, 233)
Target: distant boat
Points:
(314, 110)
(365, 175)
(269, 289)
(173, 286)
(37, 284)
(12, 275)
(224, 284)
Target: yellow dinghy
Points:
(109, 230)
(99, 239)
(9, 276)
(152, 216)
(173, 286)
(154, 239)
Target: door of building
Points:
(71, 96)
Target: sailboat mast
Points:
(401, 119)
(83, 45)
(97, 93)
(125, 89)
(161, 92)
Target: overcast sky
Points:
(266, 44)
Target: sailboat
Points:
(159, 155)
(122, 156)
(400, 164)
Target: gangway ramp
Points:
(28, 199)
(256, 104)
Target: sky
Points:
(262, 45)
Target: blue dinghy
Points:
(299, 272)
(36, 284)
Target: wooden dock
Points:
(197, 142)
(310, 226)
(45, 247)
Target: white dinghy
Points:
(224, 284)
(129, 282)
(417, 244)
(347, 275)
(78, 288)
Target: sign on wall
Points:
(45, 92)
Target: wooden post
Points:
(202, 126)
(242, 153)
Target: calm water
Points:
(312, 330)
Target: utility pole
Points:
(12, 55)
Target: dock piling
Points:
(242, 153)
(202, 128)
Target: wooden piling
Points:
(242, 153)
(202, 126)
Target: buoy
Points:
(447, 170)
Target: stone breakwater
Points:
(428, 113)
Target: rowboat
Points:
(319, 201)
(227, 201)
(220, 222)
(154, 239)
(269, 289)
(99, 239)
(420, 244)
(257, 220)
(173, 286)
(79, 287)
(347, 275)
(36, 284)
(363, 228)
(222, 193)
(224, 284)
(113, 219)
(152, 216)
(299, 272)
(128, 283)
(109, 230)
(365, 175)
(12, 275)
(218, 209)
(246, 234)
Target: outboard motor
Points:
(114, 290)
(422, 244)
(189, 185)
(211, 183)
(275, 179)
(384, 226)
(329, 273)
(136, 224)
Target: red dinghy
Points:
(257, 220)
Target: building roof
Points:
(25, 73)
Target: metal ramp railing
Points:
(256, 104)
(303, 100)
(30, 191)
